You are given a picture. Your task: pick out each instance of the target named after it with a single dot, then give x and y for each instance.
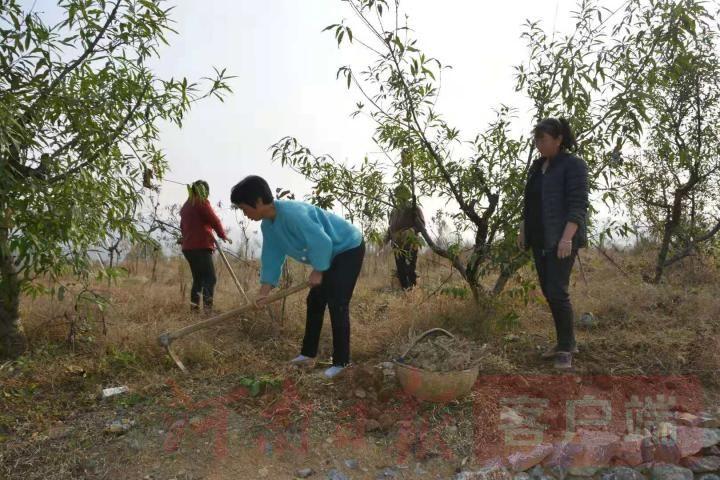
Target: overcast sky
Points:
(286, 83)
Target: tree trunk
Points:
(507, 272)
(671, 223)
(501, 282)
(154, 268)
(12, 338)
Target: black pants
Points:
(554, 276)
(203, 275)
(335, 292)
(406, 263)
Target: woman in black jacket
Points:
(554, 225)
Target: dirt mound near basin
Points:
(441, 353)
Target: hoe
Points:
(167, 339)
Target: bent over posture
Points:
(330, 244)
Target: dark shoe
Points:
(563, 360)
(552, 352)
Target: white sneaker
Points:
(301, 360)
(333, 371)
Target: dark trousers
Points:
(554, 276)
(406, 262)
(334, 292)
(203, 275)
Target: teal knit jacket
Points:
(306, 233)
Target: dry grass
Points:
(642, 328)
(672, 328)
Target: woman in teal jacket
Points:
(330, 244)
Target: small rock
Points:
(489, 473)
(663, 471)
(587, 320)
(57, 432)
(111, 392)
(583, 471)
(385, 394)
(76, 370)
(360, 393)
(558, 472)
(386, 421)
(352, 464)
(687, 419)
(521, 476)
(372, 426)
(304, 472)
(709, 476)
(709, 420)
(419, 470)
(537, 471)
(177, 424)
(335, 475)
(263, 472)
(510, 417)
(521, 461)
(90, 465)
(711, 436)
(511, 337)
(663, 450)
(387, 472)
(629, 451)
(621, 473)
(714, 450)
(387, 366)
(692, 439)
(119, 426)
(134, 444)
(588, 448)
(702, 464)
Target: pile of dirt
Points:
(440, 353)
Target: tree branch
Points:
(109, 143)
(77, 62)
(693, 245)
(455, 259)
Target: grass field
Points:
(52, 422)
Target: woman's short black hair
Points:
(556, 127)
(249, 190)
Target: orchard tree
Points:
(79, 114)
(673, 181)
(480, 178)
